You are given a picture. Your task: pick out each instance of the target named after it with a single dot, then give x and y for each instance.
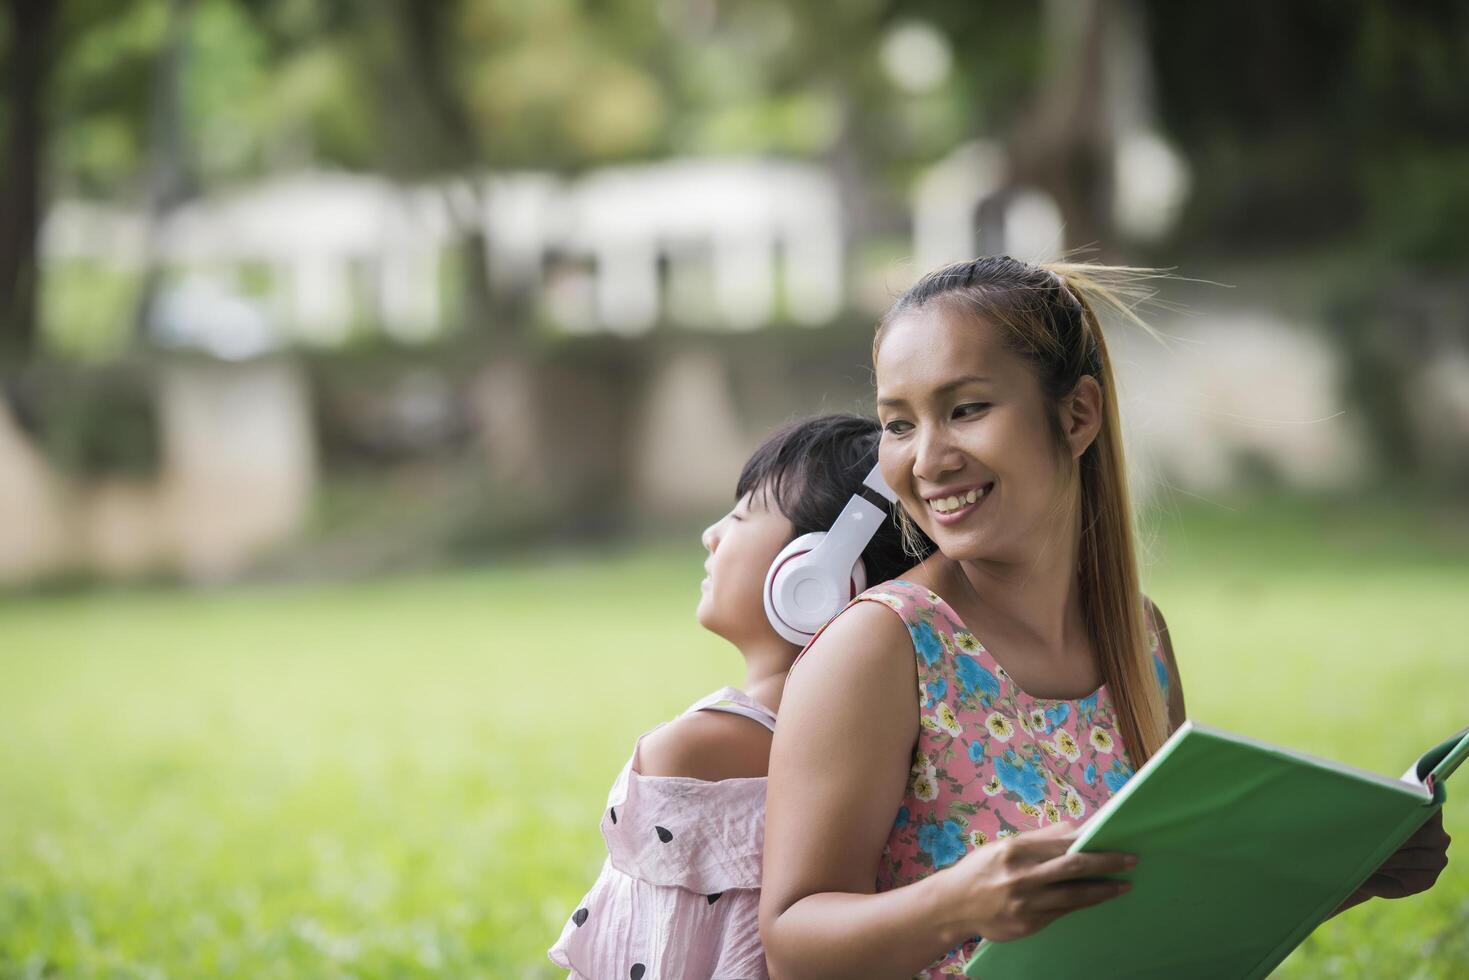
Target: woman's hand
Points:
(1019, 885)
(1411, 869)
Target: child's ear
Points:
(1081, 415)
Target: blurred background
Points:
(370, 366)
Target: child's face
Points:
(741, 545)
(960, 414)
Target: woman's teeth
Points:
(949, 504)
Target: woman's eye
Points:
(970, 408)
(896, 427)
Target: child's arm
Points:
(839, 768)
(708, 745)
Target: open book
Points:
(1244, 849)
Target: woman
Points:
(900, 829)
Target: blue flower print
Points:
(926, 642)
(902, 820)
(1087, 707)
(973, 676)
(943, 842)
(976, 752)
(1057, 716)
(1091, 774)
(1117, 775)
(1162, 670)
(937, 689)
(1020, 776)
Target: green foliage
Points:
(88, 308)
(95, 423)
(401, 778)
(1420, 204)
(1312, 122)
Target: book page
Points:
(1442, 759)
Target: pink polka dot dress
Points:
(679, 893)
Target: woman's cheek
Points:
(890, 466)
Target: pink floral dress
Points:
(991, 760)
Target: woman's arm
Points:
(838, 772)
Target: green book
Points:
(1244, 849)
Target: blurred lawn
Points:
(403, 777)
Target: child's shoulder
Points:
(707, 745)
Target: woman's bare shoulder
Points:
(865, 638)
(932, 573)
(857, 680)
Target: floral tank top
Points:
(991, 760)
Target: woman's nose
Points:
(934, 455)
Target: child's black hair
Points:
(811, 467)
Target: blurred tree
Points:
(169, 175)
(1064, 145)
(1319, 121)
(28, 39)
(1344, 127)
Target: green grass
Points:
(402, 777)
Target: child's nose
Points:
(709, 538)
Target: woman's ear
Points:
(1081, 415)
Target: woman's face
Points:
(966, 443)
(742, 545)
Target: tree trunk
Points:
(169, 179)
(423, 38)
(1064, 147)
(32, 26)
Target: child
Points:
(679, 892)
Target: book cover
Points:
(1245, 848)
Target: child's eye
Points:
(970, 408)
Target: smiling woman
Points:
(1044, 677)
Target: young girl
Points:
(678, 895)
(900, 829)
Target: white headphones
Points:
(817, 574)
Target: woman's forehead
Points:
(931, 346)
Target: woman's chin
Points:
(959, 544)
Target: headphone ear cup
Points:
(859, 579)
(795, 562)
(784, 564)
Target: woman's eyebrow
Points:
(942, 389)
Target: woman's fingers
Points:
(1431, 834)
(1386, 886)
(1082, 865)
(1043, 844)
(1070, 896)
(1414, 859)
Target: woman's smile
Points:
(952, 506)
